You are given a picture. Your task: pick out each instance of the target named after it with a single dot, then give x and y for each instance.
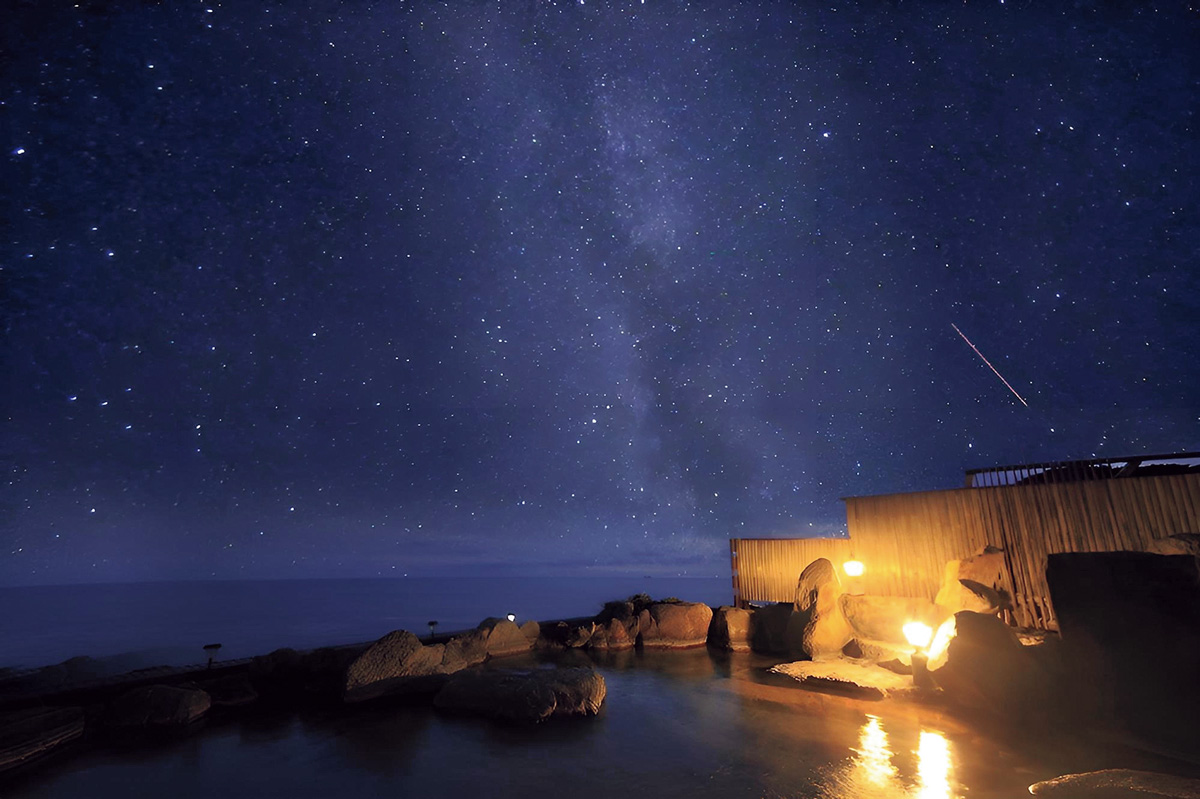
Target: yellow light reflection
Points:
(871, 773)
(874, 756)
(933, 767)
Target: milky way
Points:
(405, 288)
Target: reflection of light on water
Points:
(870, 774)
(933, 766)
(874, 756)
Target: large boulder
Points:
(881, 619)
(462, 651)
(531, 630)
(524, 697)
(232, 690)
(970, 584)
(1130, 626)
(878, 623)
(818, 629)
(158, 706)
(768, 628)
(986, 669)
(615, 635)
(1179, 544)
(674, 625)
(396, 663)
(504, 638)
(730, 629)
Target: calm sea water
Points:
(144, 624)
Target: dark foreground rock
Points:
(26, 735)
(768, 628)
(158, 706)
(1118, 784)
(523, 696)
(234, 690)
(730, 629)
(986, 669)
(1130, 625)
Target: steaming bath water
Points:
(691, 723)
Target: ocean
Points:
(145, 624)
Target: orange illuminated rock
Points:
(818, 628)
(674, 625)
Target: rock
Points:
(504, 638)
(818, 628)
(958, 592)
(1130, 627)
(985, 567)
(613, 636)
(26, 735)
(276, 673)
(1180, 544)
(580, 635)
(674, 625)
(322, 671)
(531, 630)
(233, 690)
(863, 680)
(158, 706)
(730, 629)
(985, 668)
(462, 651)
(391, 665)
(1118, 783)
(768, 628)
(553, 636)
(880, 620)
(526, 697)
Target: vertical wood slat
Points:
(905, 540)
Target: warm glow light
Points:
(853, 568)
(918, 634)
(874, 756)
(941, 642)
(933, 766)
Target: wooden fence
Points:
(905, 540)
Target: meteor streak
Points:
(989, 363)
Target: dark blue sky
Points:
(381, 288)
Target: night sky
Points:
(395, 288)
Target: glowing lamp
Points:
(918, 634)
(853, 568)
(512, 617)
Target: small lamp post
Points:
(920, 635)
(432, 628)
(211, 650)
